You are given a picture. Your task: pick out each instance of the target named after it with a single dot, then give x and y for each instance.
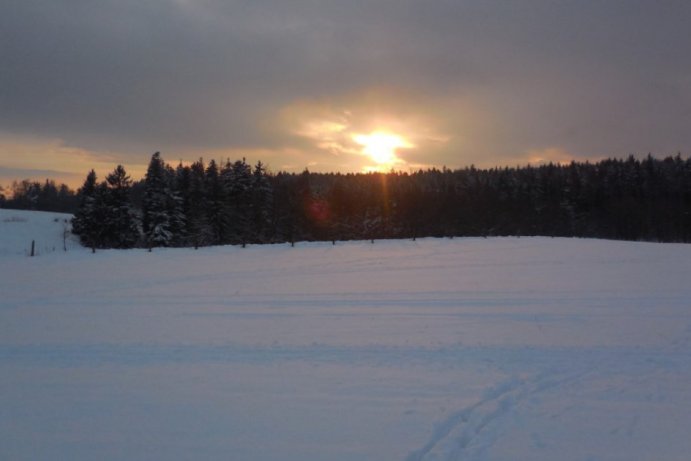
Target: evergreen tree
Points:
(175, 207)
(156, 219)
(261, 204)
(237, 184)
(182, 183)
(85, 223)
(198, 229)
(121, 225)
(216, 210)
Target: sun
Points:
(381, 147)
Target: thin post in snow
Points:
(33, 247)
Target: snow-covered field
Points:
(465, 349)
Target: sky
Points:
(347, 85)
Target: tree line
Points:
(34, 195)
(236, 203)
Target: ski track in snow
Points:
(467, 433)
(461, 432)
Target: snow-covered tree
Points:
(105, 218)
(162, 216)
(122, 226)
(237, 183)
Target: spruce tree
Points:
(121, 226)
(198, 229)
(156, 220)
(216, 209)
(85, 223)
(237, 182)
(261, 204)
(182, 184)
(175, 207)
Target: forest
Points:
(34, 195)
(233, 202)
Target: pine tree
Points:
(161, 208)
(261, 204)
(198, 229)
(237, 182)
(85, 223)
(216, 210)
(175, 207)
(121, 226)
(182, 182)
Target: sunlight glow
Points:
(380, 146)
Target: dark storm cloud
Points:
(591, 77)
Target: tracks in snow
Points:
(467, 432)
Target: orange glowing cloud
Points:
(361, 132)
(35, 159)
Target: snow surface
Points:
(19, 227)
(465, 349)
